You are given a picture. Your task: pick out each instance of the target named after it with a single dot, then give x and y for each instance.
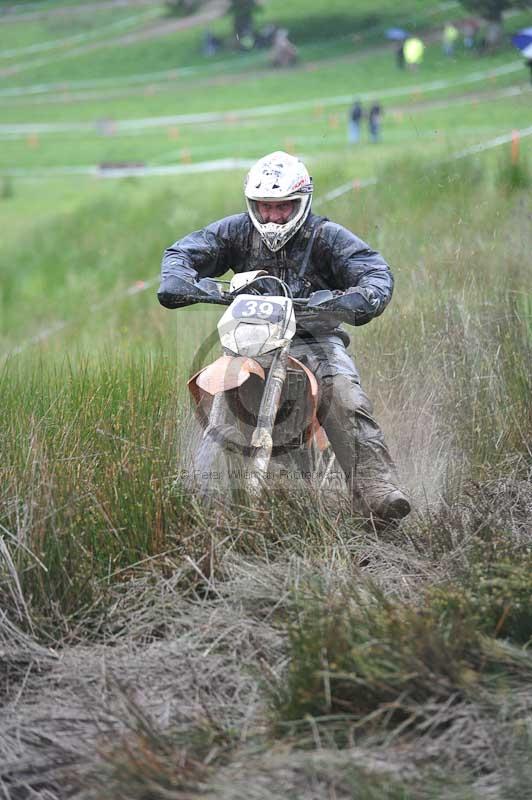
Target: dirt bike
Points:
(257, 400)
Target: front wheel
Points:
(218, 455)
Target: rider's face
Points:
(279, 213)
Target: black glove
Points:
(175, 292)
(356, 306)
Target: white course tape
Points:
(205, 117)
(504, 139)
(55, 327)
(79, 37)
(59, 325)
(355, 185)
(217, 165)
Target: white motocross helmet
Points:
(275, 178)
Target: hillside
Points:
(153, 646)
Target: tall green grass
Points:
(85, 478)
(455, 343)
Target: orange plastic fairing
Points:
(226, 373)
(315, 429)
(229, 372)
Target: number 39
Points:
(254, 308)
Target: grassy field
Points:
(152, 647)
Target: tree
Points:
(242, 12)
(182, 6)
(492, 11)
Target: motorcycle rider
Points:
(281, 235)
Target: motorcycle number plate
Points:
(260, 309)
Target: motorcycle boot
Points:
(358, 443)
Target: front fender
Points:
(227, 372)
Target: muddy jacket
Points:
(333, 258)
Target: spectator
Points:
(211, 44)
(266, 35)
(470, 28)
(493, 33)
(400, 55)
(374, 122)
(246, 40)
(480, 38)
(284, 53)
(413, 51)
(355, 117)
(449, 37)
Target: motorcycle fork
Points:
(262, 439)
(216, 415)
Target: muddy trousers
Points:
(346, 414)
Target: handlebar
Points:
(300, 304)
(212, 293)
(224, 299)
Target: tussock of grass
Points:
(354, 657)
(360, 661)
(496, 595)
